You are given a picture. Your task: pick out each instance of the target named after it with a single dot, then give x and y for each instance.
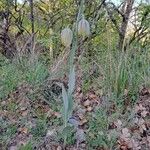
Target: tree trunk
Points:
(32, 23)
(126, 10)
(8, 47)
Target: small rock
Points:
(92, 96)
(78, 89)
(3, 103)
(83, 145)
(118, 124)
(81, 116)
(13, 148)
(74, 121)
(81, 111)
(50, 132)
(24, 113)
(86, 103)
(89, 108)
(57, 114)
(59, 148)
(80, 135)
(23, 108)
(83, 121)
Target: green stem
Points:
(75, 40)
(72, 53)
(65, 137)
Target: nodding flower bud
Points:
(66, 37)
(83, 28)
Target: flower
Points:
(66, 37)
(83, 27)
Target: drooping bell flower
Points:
(84, 28)
(66, 37)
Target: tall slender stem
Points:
(75, 39)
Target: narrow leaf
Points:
(70, 105)
(71, 83)
(65, 103)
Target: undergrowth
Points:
(117, 74)
(13, 73)
(112, 74)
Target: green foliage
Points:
(40, 129)
(119, 72)
(11, 130)
(116, 74)
(98, 135)
(65, 105)
(10, 76)
(28, 146)
(86, 85)
(68, 133)
(8, 131)
(67, 97)
(36, 73)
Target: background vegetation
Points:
(90, 96)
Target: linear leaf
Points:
(65, 102)
(71, 83)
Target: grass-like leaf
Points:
(71, 83)
(65, 103)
